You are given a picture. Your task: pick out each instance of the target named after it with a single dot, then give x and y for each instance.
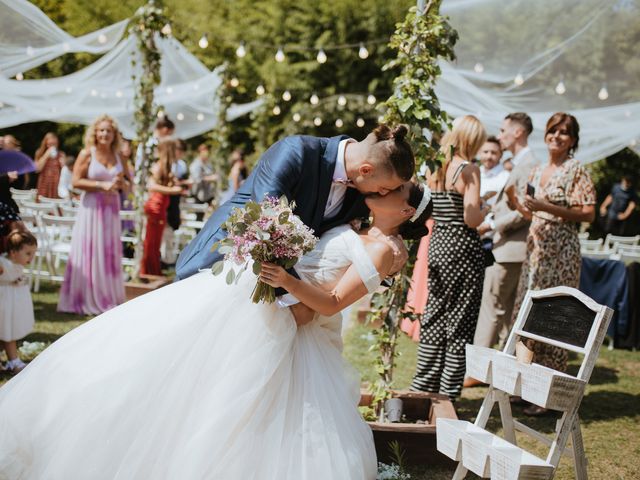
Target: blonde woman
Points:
(456, 263)
(49, 162)
(93, 281)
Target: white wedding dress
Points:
(194, 381)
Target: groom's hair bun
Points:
(394, 150)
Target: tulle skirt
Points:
(192, 381)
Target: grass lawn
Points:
(610, 411)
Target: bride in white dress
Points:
(194, 381)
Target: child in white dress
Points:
(16, 307)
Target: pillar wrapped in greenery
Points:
(421, 41)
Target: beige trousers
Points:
(498, 296)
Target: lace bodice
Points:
(334, 253)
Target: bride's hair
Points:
(417, 229)
(393, 150)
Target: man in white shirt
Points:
(493, 176)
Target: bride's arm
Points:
(349, 289)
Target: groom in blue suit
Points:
(326, 177)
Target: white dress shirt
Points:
(334, 204)
(492, 181)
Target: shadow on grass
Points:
(600, 376)
(47, 338)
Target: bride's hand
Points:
(274, 275)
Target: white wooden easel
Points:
(563, 317)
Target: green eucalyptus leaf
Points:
(231, 275)
(217, 267)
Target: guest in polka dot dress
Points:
(456, 263)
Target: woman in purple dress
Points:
(93, 281)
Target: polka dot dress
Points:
(456, 274)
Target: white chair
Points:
(583, 235)
(29, 195)
(38, 209)
(601, 255)
(68, 210)
(128, 216)
(34, 270)
(563, 317)
(58, 231)
(628, 256)
(591, 245)
(610, 241)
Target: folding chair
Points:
(563, 317)
(58, 231)
(611, 241)
(591, 245)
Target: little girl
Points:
(16, 307)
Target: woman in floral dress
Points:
(564, 197)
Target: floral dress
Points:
(553, 247)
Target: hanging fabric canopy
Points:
(28, 38)
(547, 56)
(188, 92)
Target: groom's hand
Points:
(302, 313)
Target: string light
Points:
(296, 117)
(180, 116)
(66, 47)
(360, 122)
(603, 94)
(102, 38)
(119, 93)
(68, 89)
(560, 88)
(203, 42)
(94, 93)
(280, 55)
(371, 99)
(363, 52)
(342, 100)
(200, 117)
(160, 113)
(260, 90)
(478, 68)
(322, 57)
(317, 121)
(286, 95)
(241, 51)
(339, 123)
(314, 99)
(234, 82)
(380, 119)
(519, 80)
(633, 143)
(19, 76)
(166, 30)
(169, 90)
(276, 110)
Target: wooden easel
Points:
(563, 317)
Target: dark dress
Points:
(456, 274)
(9, 211)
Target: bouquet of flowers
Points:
(263, 232)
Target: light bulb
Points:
(317, 121)
(360, 122)
(241, 51)
(203, 42)
(478, 68)
(322, 57)
(30, 51)
(94, 93)
(160, 113)
(280, 55)
(200, 117)
(560, 88)
(68, 89)
(314, 99)
(380, 119)
(519, 80)
(66, 47)
(296, 117)
(276, 110)
(633, 143)
(180, 116)
(603, 94)
(19, 76)
(363, 52)
(342, 100)
(196, 86)
(260, 90)
(166, 30)
(102, 38)
(339, 123)
(119, 93)
(371, 99)
(234, 82)
(286, 95)
(169, 90)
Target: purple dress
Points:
(93, 280)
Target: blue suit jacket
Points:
(299, 167)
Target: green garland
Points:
(422, 40)
(146, 25)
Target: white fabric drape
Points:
(544, 42)
(28, 38)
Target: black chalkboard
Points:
(565, 319)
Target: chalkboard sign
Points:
(565, 319)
